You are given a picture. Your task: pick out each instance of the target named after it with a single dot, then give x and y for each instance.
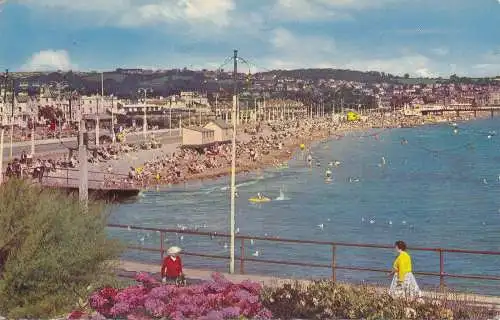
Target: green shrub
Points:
(328, 300)
(52, 253)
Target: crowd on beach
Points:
(259, 144)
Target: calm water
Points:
(438, 190)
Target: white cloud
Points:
(322, 9)
(214, 12)
(416, 65)
(441, 51)
(292, 51)
(89, 6)
(255, 28)
(486, 69)
(145, 12)
(49, 60)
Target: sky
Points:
(425, 38)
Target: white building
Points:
(495, 98)
(91, 105)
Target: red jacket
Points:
(171, 268)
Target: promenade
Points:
(58, 146)
(125, 266)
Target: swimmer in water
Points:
(259, 195)
(309, 158)
(236, 194)
(328, 174)
(382, 163)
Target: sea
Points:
(434, 186)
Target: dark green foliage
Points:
(51, 252)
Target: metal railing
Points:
(110, 179)
(67, 180)
(333, 265)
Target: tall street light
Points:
(12, 117)
(97, 120)
(233, 165)
(2, 125)
(144, 122)
(170, 119)
(113, 136)
(33, 121)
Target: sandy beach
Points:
(259, 145)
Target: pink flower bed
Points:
(211, 300)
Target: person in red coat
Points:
(171, 268)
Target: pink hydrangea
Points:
(216, 299)
(145, 278)
(155, 307)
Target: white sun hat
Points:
(173, 250)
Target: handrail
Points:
(334, 245)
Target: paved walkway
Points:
(132, 266)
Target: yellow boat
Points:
(259, 200)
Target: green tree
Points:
(50, 113)
(51, 252)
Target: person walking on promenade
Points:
(171, 269)
(403, 281)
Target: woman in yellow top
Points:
(403, 282)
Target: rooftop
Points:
(199, 129)
(221, 124)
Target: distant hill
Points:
(126, 82)
(337, 74)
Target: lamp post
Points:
(113, 136)
(2, 124)
(12, 117)
(145, 122)
(97, 120)
(233, 165)
(2, 132)
(170, 119)
(32, 133)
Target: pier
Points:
(102, 185)
(457, 108)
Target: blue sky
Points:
(420, 37)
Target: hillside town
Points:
(59, 103)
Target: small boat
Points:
(259, 200)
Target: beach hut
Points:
(197, 136)
(222, 131)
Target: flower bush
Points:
(211, 300)
(328, 300)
